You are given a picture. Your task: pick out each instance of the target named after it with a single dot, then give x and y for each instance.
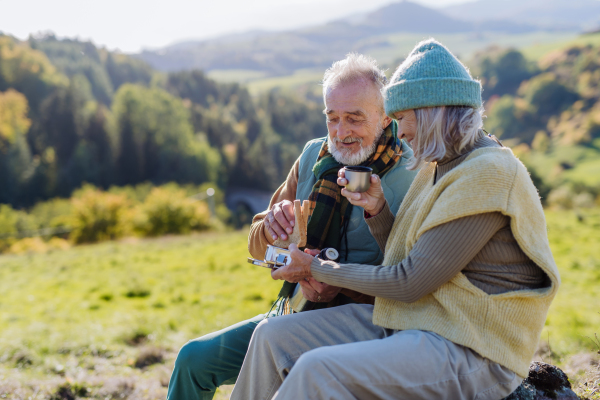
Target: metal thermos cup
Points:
(359, 178)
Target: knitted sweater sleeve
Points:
(381, 225)
(437, 256)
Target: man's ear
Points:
(386, 121)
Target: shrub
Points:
(168, 210)
(11, 223)
(52, 213)
(37, 245)
(149, 356)
(583, 200)
(98, 216)
(28, 245)
(561, 198)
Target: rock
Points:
(544, 382)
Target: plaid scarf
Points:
(329, 210)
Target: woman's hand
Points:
(318, 292)
(373, 200)
(298, 269)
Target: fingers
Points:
(288, 211)
(375, 180)
(312, 252)
(342, 181)
(355, 198)
(279, 222)
(376, 191)
(274, 227)
(277, 274)
(280, 216)
(308, 292)
(269, 229)
(316, 285)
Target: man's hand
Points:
(318, 292)
(298, 269)
(373, 200)
(280, 220)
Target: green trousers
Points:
(210, 361)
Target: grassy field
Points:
(105, 321)
(90, 313)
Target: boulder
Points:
(544, 382)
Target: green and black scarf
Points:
(329, 210)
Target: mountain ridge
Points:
(282, 53)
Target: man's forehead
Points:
(358, 112)
(352, 98)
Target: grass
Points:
(536, 51)
(574, 316)
(305, 80)
(80, 320)
(584, 162)
(94, 311)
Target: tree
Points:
(15, 158)
(157, 141)
(547, 95)
(27, 71)
(501, 71)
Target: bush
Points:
(98, 216)
(561, 198)
(53, 213)
(11, 223)
(169, 210)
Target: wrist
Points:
(377, 209)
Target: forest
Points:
(82, 122)
(72, 113)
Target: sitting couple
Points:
(456, 256)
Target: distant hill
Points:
(582, 15)
(282, 53)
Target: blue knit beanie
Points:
(430, 77)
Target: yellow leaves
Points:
(13, 115)
(18, 61)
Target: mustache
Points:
(348, 140)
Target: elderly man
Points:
(359, 134)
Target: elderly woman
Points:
(467, 279)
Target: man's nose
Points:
(343, 130)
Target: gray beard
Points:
(348, 158)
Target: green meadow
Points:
(106, 320)
(115, 313)
(88, 315)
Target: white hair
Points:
(351, 69)
(444, 132)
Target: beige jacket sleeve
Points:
(258, 239)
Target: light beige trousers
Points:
(338, 353)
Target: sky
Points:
(132, 25)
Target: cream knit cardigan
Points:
(506, 327)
